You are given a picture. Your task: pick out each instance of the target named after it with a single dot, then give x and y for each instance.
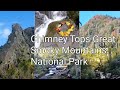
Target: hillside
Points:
(15, 54)
(104, 26)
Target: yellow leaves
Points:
(72, 27)
(67, 23)
(61, 33)
(64, 33)
(95, 59)
(67, 32)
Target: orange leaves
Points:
(67, 32)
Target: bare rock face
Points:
(27, 35)
(48, 13)
(41, 16)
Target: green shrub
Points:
(87, 72)
(113, 66)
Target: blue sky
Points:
(7, 18)
(85, 16)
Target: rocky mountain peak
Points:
(16, 27)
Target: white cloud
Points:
(5, 33)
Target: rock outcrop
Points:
(15, 52)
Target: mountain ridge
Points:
(102, 64)
(16, 50)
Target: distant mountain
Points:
(15, 53)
